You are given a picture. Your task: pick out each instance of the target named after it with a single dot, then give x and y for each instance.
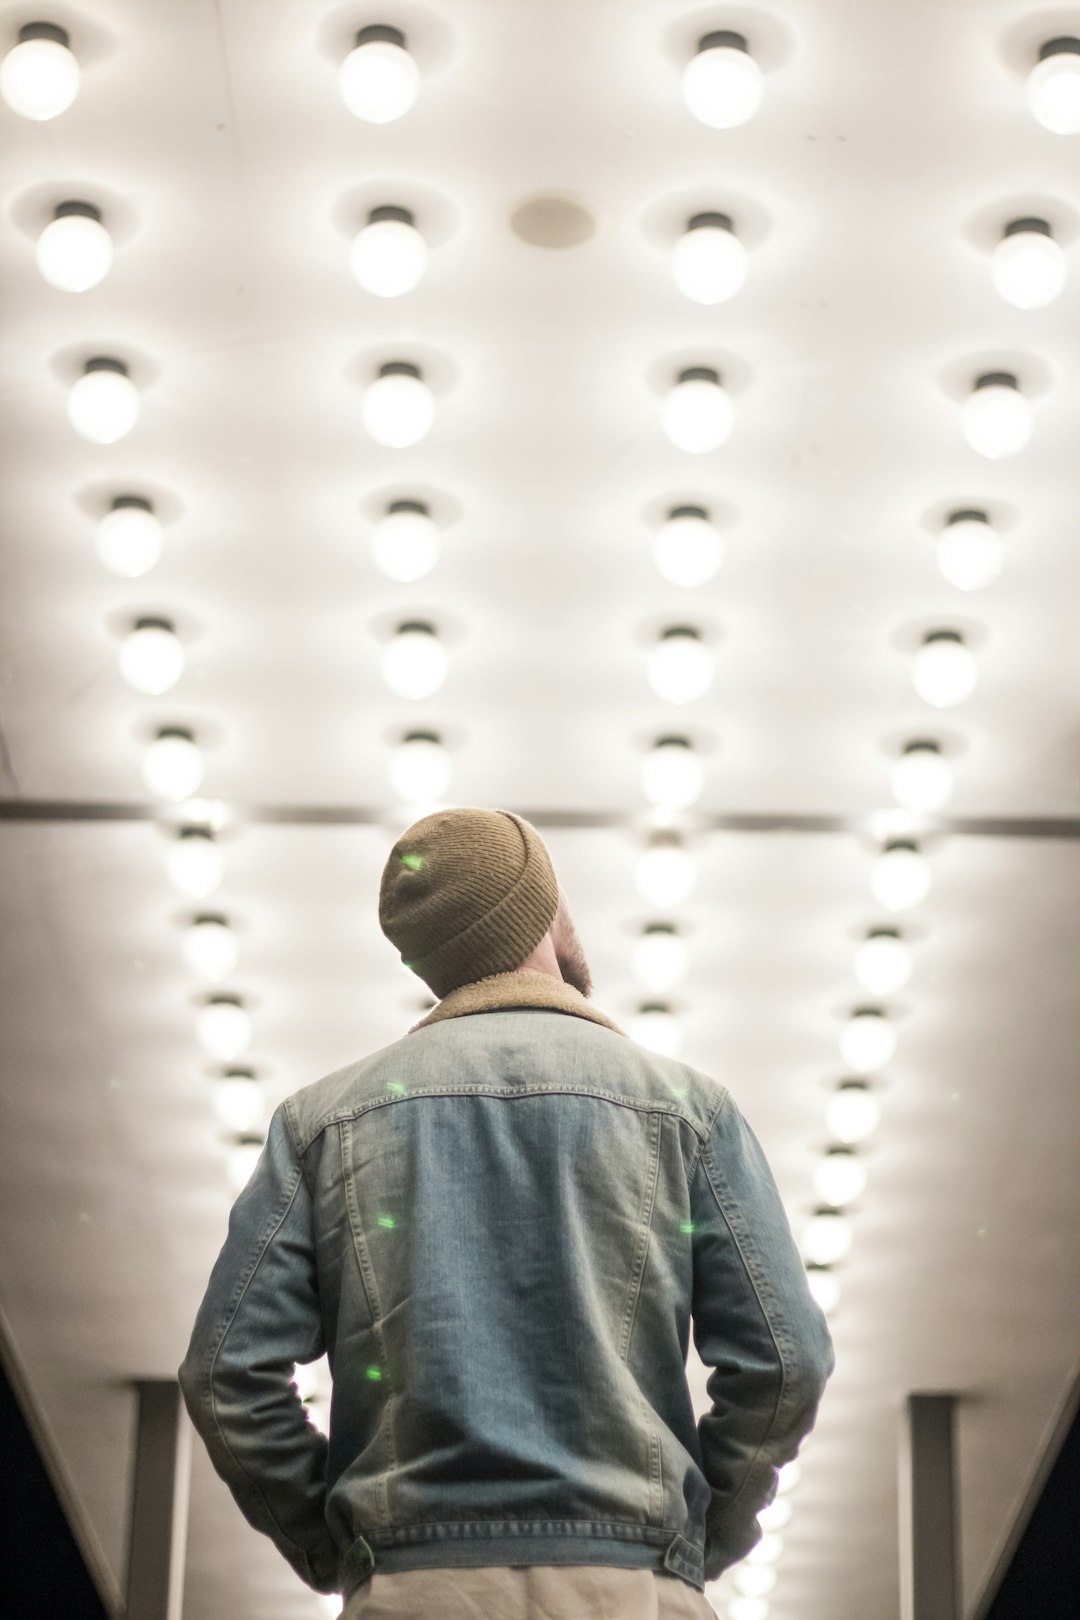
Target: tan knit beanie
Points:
(466, 893)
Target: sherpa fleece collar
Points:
(524, 987)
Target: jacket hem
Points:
(506, 1543)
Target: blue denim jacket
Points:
(501, 1230)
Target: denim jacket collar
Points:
(524, 987)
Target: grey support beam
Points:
(159, 1503)
(929, 1516)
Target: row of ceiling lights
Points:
(697, 416)
(379, 80)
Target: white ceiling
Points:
(892, 147)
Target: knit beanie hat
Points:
(466, 893)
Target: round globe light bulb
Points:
(709, 264)
(420, 769)
(882, 964)
(74, 253)
(665, 875)
(853, 1113)
(194, 864)
(657, 1029)
(680, 667)
(223, 1028)
(660, 960)
(922, 779)
(723, 86)
(697, 415)
(687, 549)
(839, 1178)
(1053, 90)
(379, 81)
(130, 540)
(152, 658)
(867, 1042)
(388, 257)
(414, 662)
(172, 767)
(900, 879)
(672, 776)
(406, 545)
(239, 1105)
(398, 410)
(1028, 269)
(944, 671)
(970, 553)
(827, 1238)
(210, 949)
(103, 406)
(39, 78)
(997, 420)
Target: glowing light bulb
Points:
(172, 766)
(753, 1580)
(970, 552)
(708, 262)
(996, 417)
(867, 1041)
(672, 775)
(697, 414)
(152, 656)
(379, 80)
(103, 404)
(1053, 86)
(722, 84)
(824, 1285)
(420, 768)
(922, 778)
(944, 671)
(74, 251)
(827, 1237)
(680, 665)
(665, 873)
(210, 948)
(406, 542)
(882, 962)
(130, 538)
(687, 549)
(194, 864)
(39, 76)
(238, 1102)
(1028, 266)
(414, 660)
(398, 407)
(839, 1177)
(389, 256)
(223, 1027)
(655, 1026)
(660, 959)
(900, 877)
(853, 1112)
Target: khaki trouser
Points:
(530, 1592)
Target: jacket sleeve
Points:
(259, 1317)
(757, 1325)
